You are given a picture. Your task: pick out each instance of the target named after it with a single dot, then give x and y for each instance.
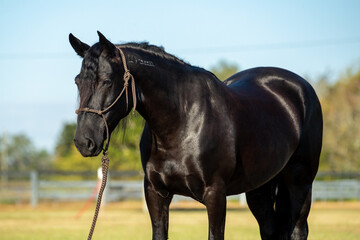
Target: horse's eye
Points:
(107, 81)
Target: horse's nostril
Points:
(90, 144)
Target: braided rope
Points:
(104, 167)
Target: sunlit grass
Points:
(128, 221)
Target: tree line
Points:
(341, 143)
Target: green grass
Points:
(127, 221)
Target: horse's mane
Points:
(153, 49)
(90, 68)
(90, 65)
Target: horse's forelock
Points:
(89, 72)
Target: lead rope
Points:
(104, 167)
(105, 159)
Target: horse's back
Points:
(269, 86)
(278, 84)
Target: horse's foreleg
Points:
(158, 207)
(215, 202)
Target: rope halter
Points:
(127, 76)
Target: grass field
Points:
(127, 221)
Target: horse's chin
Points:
(85, 152)
(98, 151)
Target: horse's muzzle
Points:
(87, 146)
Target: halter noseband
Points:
(127, 76)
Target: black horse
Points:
(259, 132)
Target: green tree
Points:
(341, 110)
(65, 141)
(123, 149)
(224, 69)
(17, 153)
(126, 142)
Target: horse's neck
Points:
(170, 95)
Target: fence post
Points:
(144, 204)
(106, 191)
(34, 188)
(242, 200)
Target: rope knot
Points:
(127, 76)
(105, 153)
(105, 164)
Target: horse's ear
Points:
(106, 45)
(79, 47)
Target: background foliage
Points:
(341, 143)
(124, 148)
(341, 110)
(17, 153)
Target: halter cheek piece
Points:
(127, 76)
(105, 160)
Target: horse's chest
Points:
(180, 176)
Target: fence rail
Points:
(346, 189)
(42, 189)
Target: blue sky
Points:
(38, 65)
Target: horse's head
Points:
(100, 84)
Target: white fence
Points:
(118, 190)
(338, 190)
